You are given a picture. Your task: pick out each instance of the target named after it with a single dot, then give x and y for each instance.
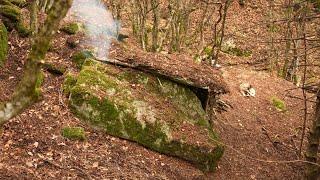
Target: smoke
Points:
(100, 26)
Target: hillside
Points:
(33, 138)
(259, 140)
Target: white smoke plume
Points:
(100, 26)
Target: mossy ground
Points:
(146, 109)
(73, 133)
(278, 104)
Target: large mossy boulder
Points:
(3, 44)
(12, 18)
(152, 111)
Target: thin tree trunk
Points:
(288, 36)
(155, 28)
(313, 171)
(222, 30)
(34, 10)
(27, 91)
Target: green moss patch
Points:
(20, 3)
(71, 28)
(235, 51)
(152, 111)
(73, 133)
(80, 57)
(69, 81)
(278, 104)
(13, 18)
(3, 44)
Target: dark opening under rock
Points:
(152, 111)
(72, 42)
(54, 68)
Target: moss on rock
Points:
(152, 111)
(69, 81)
(73, 133)
(80, 57)
(10, 11)
(20, 3)
(3, 44)
(13, 19)
(71, 28)
(235, 51)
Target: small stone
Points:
(124, 148)
(29, 164)
(95, 164)
(8, 144)
(36, 144)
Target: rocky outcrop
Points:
(153, 111)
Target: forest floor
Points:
(32, 145)
(253, 130)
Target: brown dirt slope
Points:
(257, 131)
(32, 146)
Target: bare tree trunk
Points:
(155, 28)
(288, 36)
(141, 12)
(224, 18)
(27, 91)
(313, 171)
(304, 93)
(203, 24)
(218, 33)
(34, 10)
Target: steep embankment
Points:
(32, 145)
(257, 131)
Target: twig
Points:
(270, 139)
(65, 168)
